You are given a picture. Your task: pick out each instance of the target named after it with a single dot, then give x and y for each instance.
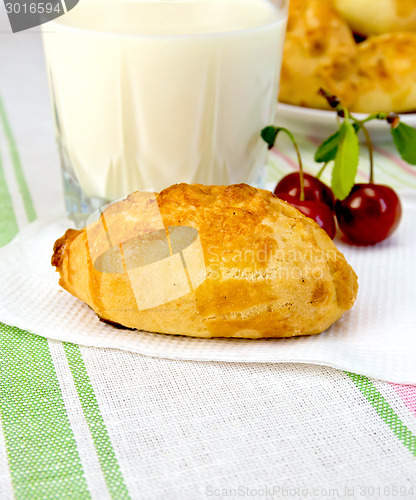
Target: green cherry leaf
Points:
(405, 139)
(269, 134)
(346, 161)
(328, 149)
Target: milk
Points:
(147, 94)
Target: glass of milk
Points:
(151, 93)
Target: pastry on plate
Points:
(207, 261)
(319, 51)
(387, 74)
(375, 17)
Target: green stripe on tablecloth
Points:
(385, 411)
(103, 445)
(105, 452)
(17, 165)
(8, 222)
(42, 452)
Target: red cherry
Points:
(369, 214)
(319, 212)
(314, 189)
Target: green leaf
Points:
(269, 134)
(328, 149)
(346, 161)
(405, 139)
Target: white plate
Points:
(321, 124)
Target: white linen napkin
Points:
(376, 338)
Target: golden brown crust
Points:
(59, 246)
(370, 17)
(270, 271)
(319, 51)
(387, 74)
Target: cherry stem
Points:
(370, 151)
(269, 135)
(302, 182)
(336, 104)
(321, 171)
(374, 116)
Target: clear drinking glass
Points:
(146, 94)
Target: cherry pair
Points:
(368, 215)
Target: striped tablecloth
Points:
(81, 422)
